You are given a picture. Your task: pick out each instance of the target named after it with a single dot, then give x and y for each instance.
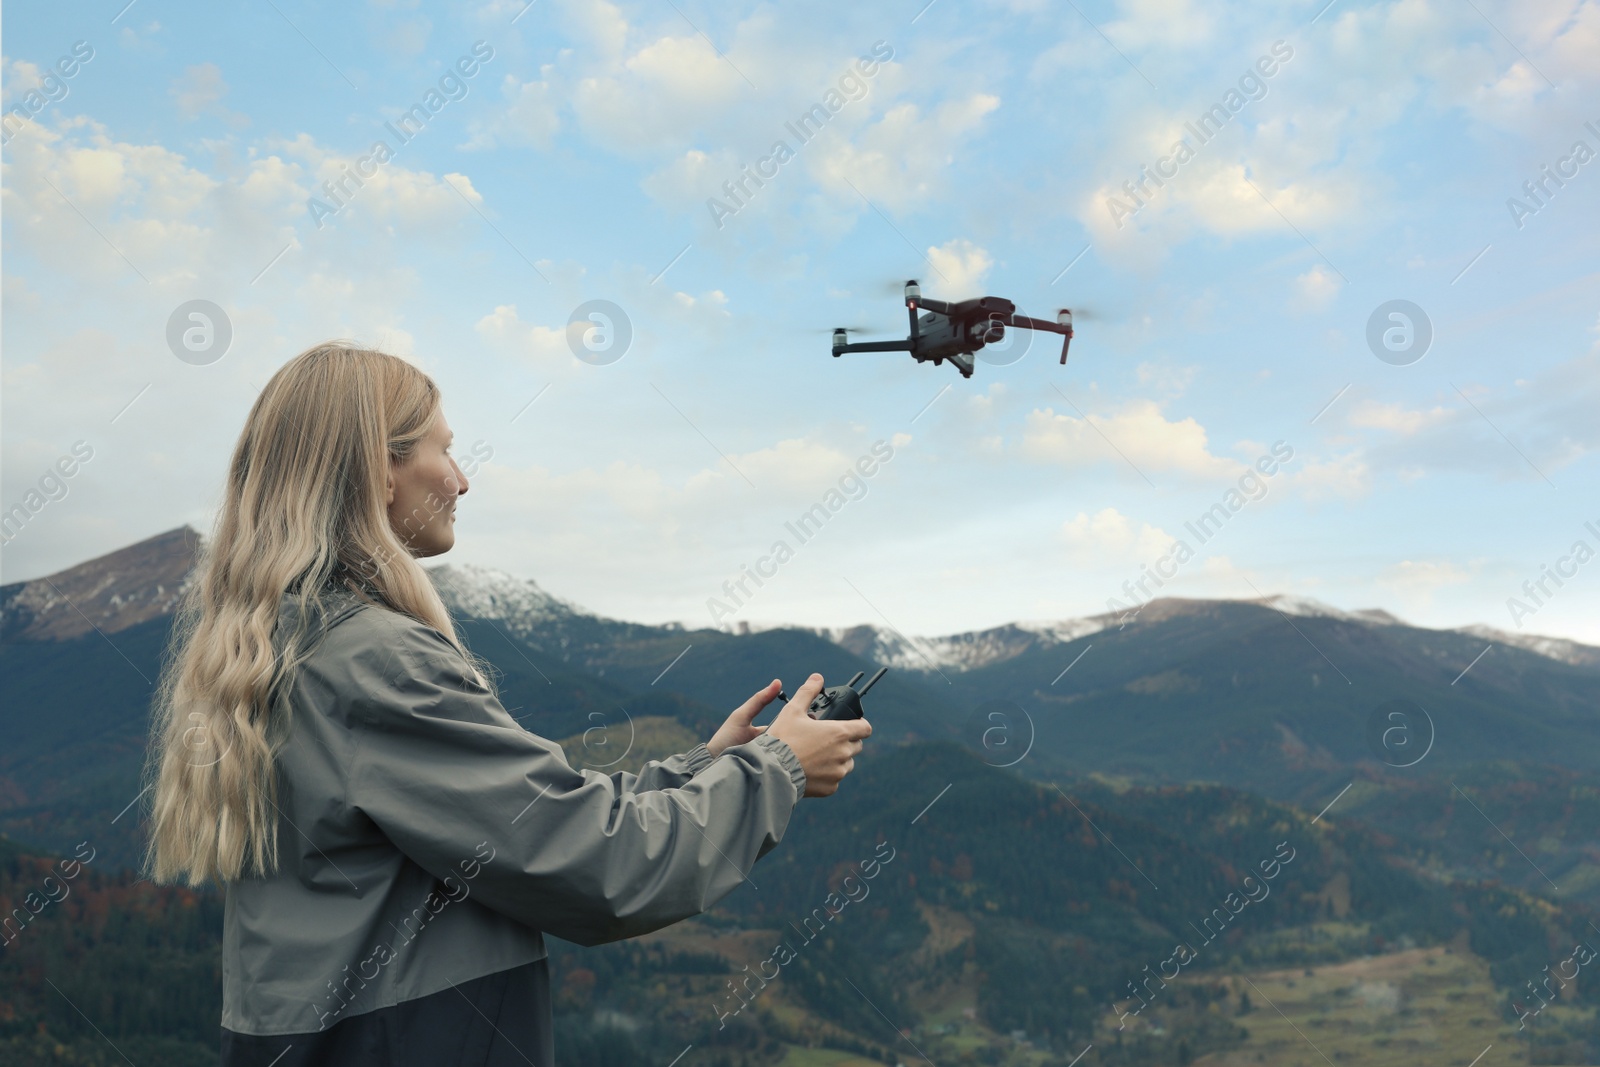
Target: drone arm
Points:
(874, 346)
(1034, 324)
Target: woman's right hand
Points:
(826, 748)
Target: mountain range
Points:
(1283, 696)
(1068, 796)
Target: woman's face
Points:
(422, 494)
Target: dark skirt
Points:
(499, 1020)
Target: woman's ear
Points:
(388, 485)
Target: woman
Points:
(392, 844)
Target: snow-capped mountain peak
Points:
(468, 589)
(144, 580)
(1557, 648)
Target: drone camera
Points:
(987, 332)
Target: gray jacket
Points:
(426, 838)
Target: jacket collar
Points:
(338, 602)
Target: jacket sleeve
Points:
(442, 769)
(669, 773)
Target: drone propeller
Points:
(892, 286)
(841, 334)
(861, 331)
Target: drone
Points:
(955, 331)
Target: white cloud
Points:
(17, 77)
(76, 202)
(1524, 432)
(405, 36)
(1166, 378)
(394, 195)
(656, 97)
(897, 161)
(985, 405)
(1317, 287)
(1139, 432)
(1216, 195)
(959, 270)
(661, 94)
(645, 310)
(1161, 24)
(539, 342)
(614, 526)
(532, 115)
(672, 99)
(598, 25)
(144, 40)
(1425, 575)
(1397, 418)
(1412, 583)
(199, 88)
(1110, 536)
(688, 181)
(154, 215)
(1314, 145)
(1346, 476)
(143, 200)
(794, 466)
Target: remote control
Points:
(840, 701)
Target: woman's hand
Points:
(826, 748)
(737, 730)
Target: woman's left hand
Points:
(737, 730)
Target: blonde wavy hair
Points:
(304, 509)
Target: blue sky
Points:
(1227, 312)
